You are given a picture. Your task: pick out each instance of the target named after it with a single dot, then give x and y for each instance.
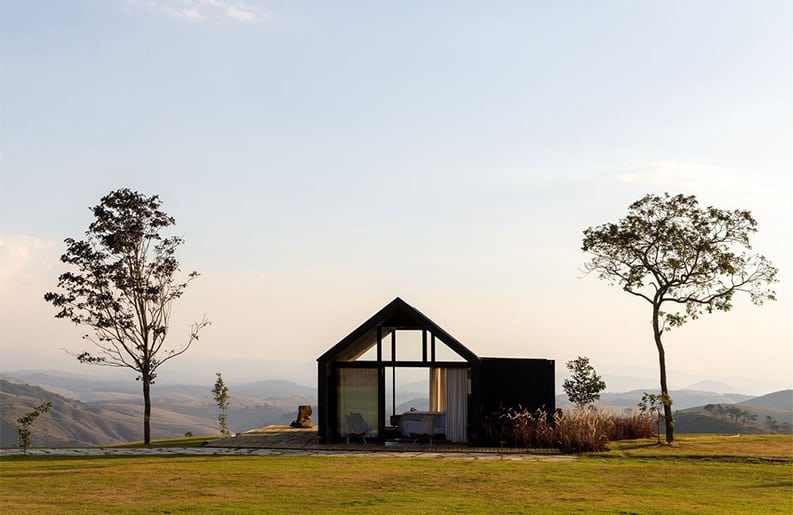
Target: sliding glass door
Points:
(357, 401)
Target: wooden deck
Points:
(285, 437)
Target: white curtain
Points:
(437, 389)
(456, 404)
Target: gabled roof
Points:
(398, 314)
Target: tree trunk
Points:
(665, 398)
(146, 409)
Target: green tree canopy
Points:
(122, 285)
(683, 259)
(583, 387)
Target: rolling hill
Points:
(771, 413)
(781, 400)
(86, 411)
(73, 423)
(696, 411)
(681, 399)
(91, 411)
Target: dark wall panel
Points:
(509, 383)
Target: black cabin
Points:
(357, 381)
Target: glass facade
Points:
(357, 401)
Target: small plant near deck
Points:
(652, 404)
(26, 421)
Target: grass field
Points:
(706, 474)
(707, 447)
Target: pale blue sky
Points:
(322, 158)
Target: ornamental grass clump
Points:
(582, 430)
(522, 428)
(578, 430)
(632, 426)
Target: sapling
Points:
(654, 403)
(221, 394)
(26, 421)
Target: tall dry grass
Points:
(578, 430)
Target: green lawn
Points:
(628, 479)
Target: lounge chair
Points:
(356, 427)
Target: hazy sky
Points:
(322, 158)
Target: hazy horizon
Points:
(195, 372)
(322, 159)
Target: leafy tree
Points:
(221, 393)
(584, 386)
(124, 287)
(26, 421)
(683, 259)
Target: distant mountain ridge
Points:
(781, 400)
(73, 423)
(88, 411)
(99, 411)
(681, 399)
(88, 389)
(709, 412)
(770, 413)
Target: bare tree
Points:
(124, 287)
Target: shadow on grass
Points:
(640, 446)
(778, 484)
(701, 458)
(86, 457)
(192, 441)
